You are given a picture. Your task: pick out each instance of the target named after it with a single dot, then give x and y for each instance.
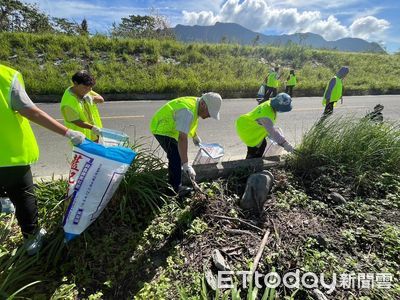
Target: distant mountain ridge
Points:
(232, 32)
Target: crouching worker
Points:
(19, 150)
(79, 106)
(173, 123)
(255, 126)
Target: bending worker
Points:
(173, 123)
(79, 106)
(333, 92)
(255, 126)
(19, 150)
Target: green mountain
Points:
(235, 33)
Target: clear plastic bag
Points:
(209, 154)
(111, 137)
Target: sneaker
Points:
(34, 244)
(6, 206)
(184, 191)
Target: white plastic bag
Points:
(261, 92)
(96, 171)
(111, 137)
(273, 149)
(209, 154)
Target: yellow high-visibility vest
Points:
(249, 131)
(292, 80)
(18, 146)
(72, 101)
(336, 93)
(163, 121)
(272, 81)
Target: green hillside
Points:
(171, 68)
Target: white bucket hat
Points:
(213, 102)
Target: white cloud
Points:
(259, 16)
(200, 18)
(369, 27)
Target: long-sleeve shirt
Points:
(274, 134)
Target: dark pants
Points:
(254, 152)
(270, 91)
(170, 146)
(327, 111)
(18, 184)
(289, 90)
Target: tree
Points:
(256, 40)
(84, 29)
(16, 16)
(63, 25)
(148, 26)
(134, 26)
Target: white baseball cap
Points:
(213, 102)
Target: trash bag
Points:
(209, 154)
(95, 174)
(261, 92)
(273, 149)
(111, 137)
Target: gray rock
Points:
(219, 261)
(210, 279)
(337, 198)
(257, 189)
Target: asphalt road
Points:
(133, 118)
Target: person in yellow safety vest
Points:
(79, 106)
(291, 83)
(173, 123)
(271, 84)
(255, 126)
(333, 92)
(19, 149)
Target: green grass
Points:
(362, 151)
(140, 66)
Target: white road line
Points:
(115, 117)
(322, 108)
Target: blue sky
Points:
(371, 20)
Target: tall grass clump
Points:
(366, 152)
(17, 271)
(145, 183)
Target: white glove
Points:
(76, 137)
(188, 169)
(88, 98)
(288, 147)
(196, 140)
(96, 130)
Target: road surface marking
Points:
(322, 108)
(115, 117)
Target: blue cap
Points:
(342, 72)
(282, 102)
